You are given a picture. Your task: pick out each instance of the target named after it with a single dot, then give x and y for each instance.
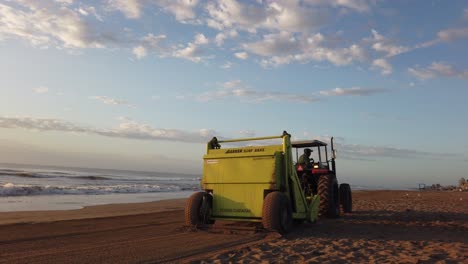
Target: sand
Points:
(385, 227)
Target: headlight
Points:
(316, 166)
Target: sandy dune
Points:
(387, 226)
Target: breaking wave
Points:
(10, 189)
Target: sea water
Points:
(28, 188)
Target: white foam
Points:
(10, 189)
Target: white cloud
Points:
(130, 129)
(126, 129)
(131, 8)
(357, 5)
(284, 48)
(43, 24)
(221, 37)
(227, 65)
(386, 46)
(181, 9)
(237, 89)
(41, 90)
(383, 65)
(150, 43)
(111, 101)
(446, 35)
(90, 10)
(270, 15)
(247, 133)
(353, 151)
(453, 34)
(153, 41)
(241, 55)
(200, 39)
(140, 52)
(438, 69)
(193, 51)
(353, 91)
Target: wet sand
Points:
(386, 226)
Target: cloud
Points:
(446, 35)
(354, 91)
(285, 48)
(247, 133)
(193, 51)
(48, 23)
(150, 43)
(200, 39)
(241, 55)
(181, 9)
(453, 34)
(383, 65)
(227, 65)
(237, 89)
(140, 52)
(111, 101)
(221, 37)
(270, 15)
(357, 5)
(131, 8)
(436, 70)
(386, 46)
(352, 151)
(128, 129)
(465, 14)
(41, 90)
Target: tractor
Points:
(319, 178)
(259, 183)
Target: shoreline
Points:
(128, 208)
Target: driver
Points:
(304, 159)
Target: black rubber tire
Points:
(193, 209)
(329, 196)
(346, 198)
(277, 213)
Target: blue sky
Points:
(141, 84)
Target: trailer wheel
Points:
(277, 213)
(198, 209)
(329, 196)
(346, 199)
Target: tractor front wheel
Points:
(346, 199)
(198, 209)
(329, 196)
(277, 213)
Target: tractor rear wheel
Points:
(277, 213)
(346, 198)
(198, 209)
(329, 196)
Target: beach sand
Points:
(385, 227)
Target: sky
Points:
(143, 84)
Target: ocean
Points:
(27, 187)
(33, 188)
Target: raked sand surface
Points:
(385, 227)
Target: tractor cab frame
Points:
(310, 176)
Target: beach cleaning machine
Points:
(257, 183)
